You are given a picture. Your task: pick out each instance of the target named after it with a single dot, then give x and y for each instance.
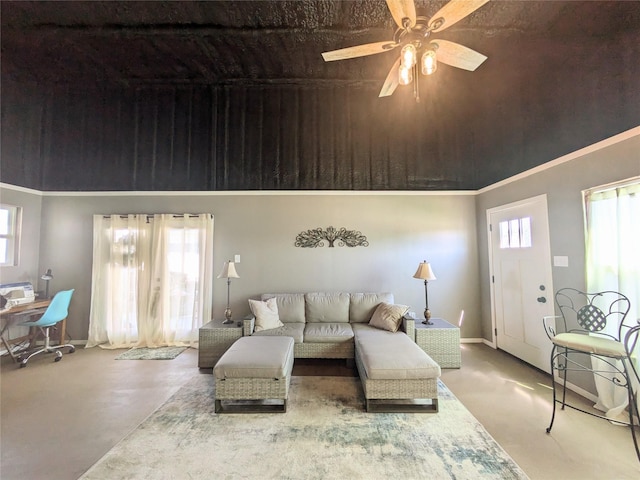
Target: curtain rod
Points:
(151, 215)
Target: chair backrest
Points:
(58, 309)
(601, 312)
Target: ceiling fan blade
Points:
(391, 82)
(454, 11)
(402, 9)
(358, 51)
(458, 55)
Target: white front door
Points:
(522, 290)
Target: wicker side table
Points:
(441, 341)
(214, 339)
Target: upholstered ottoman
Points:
(252, 373)
(396, 374)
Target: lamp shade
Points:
(229, 270)
(424, 272)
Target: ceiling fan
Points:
(412, 36)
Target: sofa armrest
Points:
(248, 324)
(409, 327)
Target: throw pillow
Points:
(266, 314)
(388, 316)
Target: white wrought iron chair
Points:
(594, 326)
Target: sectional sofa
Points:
(396, 374)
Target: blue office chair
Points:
(57, 311)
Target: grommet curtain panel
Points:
(152, 279)
(613, 263)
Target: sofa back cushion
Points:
(363, 305)
(327, 307)
(290, 306)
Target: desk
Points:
(9, 316)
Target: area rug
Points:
(325, 434)
(160, 353)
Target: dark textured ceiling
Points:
(274, 41)
(580, 52)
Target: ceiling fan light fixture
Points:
(405, 75)
(408, 56)
(429, 62)
(418, 53)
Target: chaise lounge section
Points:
(396, 374)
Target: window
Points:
(612, 232)
(611, 214)
(152, 279)
(10, 220)
(515, 233)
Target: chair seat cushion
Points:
(590, 344)
(327, 332)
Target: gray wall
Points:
(563, 185)
(402, 230)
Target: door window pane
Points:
(516, 233)
(504, 235)
(525, 232)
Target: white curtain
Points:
(613, 263)
(152, 280)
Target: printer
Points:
(14, 294)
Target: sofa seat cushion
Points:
(327, 307)
(362, 305)
(256, 357)
(392, 356)
(327, 332)
(293, 330)
(290, 306)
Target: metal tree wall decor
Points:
(316, 236)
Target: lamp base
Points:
(427, 317)
(227, 316)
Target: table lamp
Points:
(425, 273)
(228, 272)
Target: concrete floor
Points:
(60, 418)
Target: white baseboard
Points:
(472, 340)
(580, 391)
